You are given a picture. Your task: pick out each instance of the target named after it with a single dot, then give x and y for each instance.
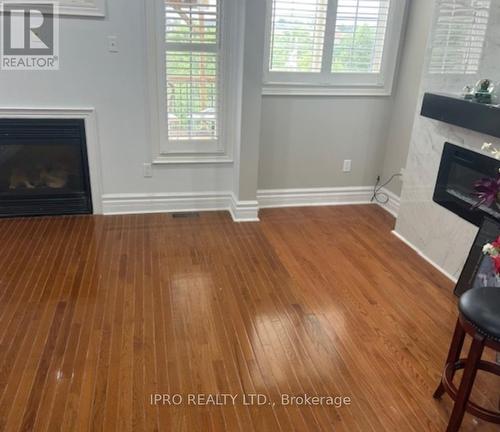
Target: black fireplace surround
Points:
(459, 172)
(43, 167)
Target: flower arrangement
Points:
(493, 251)
(487, 190)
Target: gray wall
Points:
(406, 91)
(247, 168)
(304, 140)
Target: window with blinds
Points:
(192, 65)
(360, 29)
(297, 36)
(459, 37)
(303, 30)
(334, 46)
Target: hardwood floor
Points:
(97, 314)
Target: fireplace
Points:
(43, 167)
(463, 175)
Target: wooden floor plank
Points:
(97, 314)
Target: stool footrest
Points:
(451, 389)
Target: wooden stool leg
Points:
(465, 388)
(457, 344)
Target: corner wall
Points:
(248, 156)
(406, 91)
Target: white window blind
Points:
(459, 37)
(360, 29)
(297, 36)
(192, 65)
(303, 33)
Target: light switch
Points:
(113, 44)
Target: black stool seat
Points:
(481, 307)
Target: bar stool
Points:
(479, 318)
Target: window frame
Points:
(167, 151)
(339, 83)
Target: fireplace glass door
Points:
(468, 184)
(43, 168)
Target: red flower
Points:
(496, 243)
(496, 263)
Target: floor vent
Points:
(185, 215)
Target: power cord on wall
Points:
(382, 197)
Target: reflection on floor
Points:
(99, 314)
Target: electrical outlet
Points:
(148, 170)
(347, 166)
(113, 44)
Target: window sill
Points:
(275, 89)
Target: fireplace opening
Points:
(43, 168)
(468, 184)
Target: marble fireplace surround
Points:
(440, 236)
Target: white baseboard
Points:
(392, 206)
(241, 211)
(114, 204)
(425, 257)
(244, 211)
(273, 198)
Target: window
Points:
(298, 34)
(360, 30)
(192, 58)
(458, 40)
(194, 78)
(348, 44)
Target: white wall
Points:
(114, 84)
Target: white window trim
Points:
(340, 84)
(96, 8)
(230, 78)
(93, 8)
